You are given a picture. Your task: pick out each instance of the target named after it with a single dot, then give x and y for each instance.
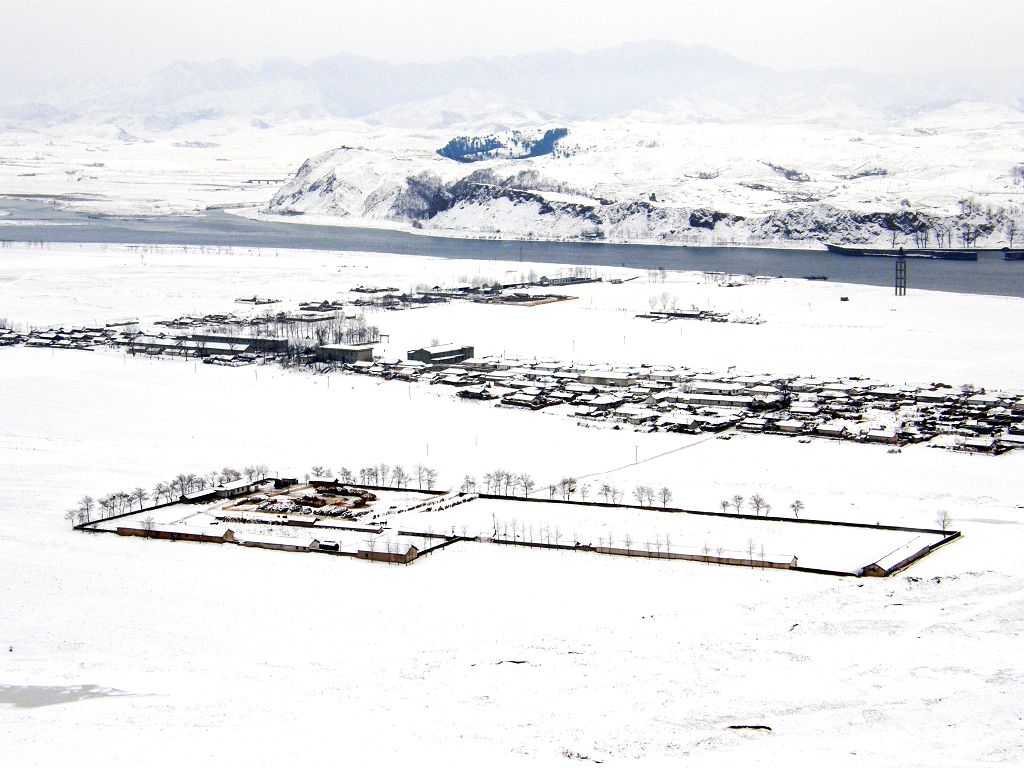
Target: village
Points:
(398, 524)
(334, 336)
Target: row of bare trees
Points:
(757, 503)
(188, 483)
(645, 495)
(112, 504)
(501, 482)
(117, 503)
(656, 275)
(383, 474)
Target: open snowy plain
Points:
(157, 653)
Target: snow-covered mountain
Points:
(664, 78)
(920, 180)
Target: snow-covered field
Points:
(203, 654)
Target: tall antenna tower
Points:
(901, 274)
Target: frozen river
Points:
(36, 220)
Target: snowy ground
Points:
(200, 648)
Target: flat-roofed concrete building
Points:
(270, 344)
(347, 353)
(442, 354)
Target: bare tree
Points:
(140, 495)
(664, 496)
(384, 473)
(797, 507)
(606, 491)
(584, 491)
(431, 477)
(724, 504)
(737, 501)
(320, 471)
(944, 519)
(757, 502)
(345, 475)
(399, 476)
(250, 473)
(528, 484)
(421, 475)
(640, 494)
(468, 484)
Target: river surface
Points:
(37, 220)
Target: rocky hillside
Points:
(906, 184)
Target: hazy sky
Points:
(45, 41)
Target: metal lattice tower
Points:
(901, 274)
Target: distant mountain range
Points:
(681, 82)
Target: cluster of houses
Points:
(664, 398)
(308, 312)
(220, 338)
(217, 348)
(494, 293)
(709, 315)
(83, 338)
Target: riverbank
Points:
(30, 222)
(258, 213)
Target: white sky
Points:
(45, 41)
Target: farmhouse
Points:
(237, 488)
(790, 426)
(606, 378)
